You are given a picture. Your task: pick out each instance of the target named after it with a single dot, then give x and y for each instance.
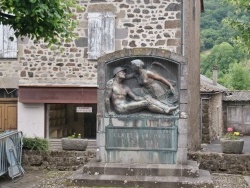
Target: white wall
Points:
(31, 119)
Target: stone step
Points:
(189, 170)
(80, 179)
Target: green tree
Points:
(238, 77)
(213, 29)
(51, 20)
(221, 55)
(241, 24)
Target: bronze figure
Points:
(117, 93)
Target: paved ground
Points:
(56, 179)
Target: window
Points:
(8, 48)
(101, 34)
(8, 93)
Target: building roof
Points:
(237, 96)
(207, 85)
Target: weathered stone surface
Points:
(220, 162)
(81, 42)
(58, 159)
(143, 179)
(232, 146)
(74, 144)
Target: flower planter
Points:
(74, 144)
(232, 146)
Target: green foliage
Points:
(241, 24)
(213, 29)
(52, 20)
(230, 136)
(35, 144)
(221, 55)
(75, 136)
(238, 77)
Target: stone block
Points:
(184, 69)
(100, 139)
(74, 144)
(183, 96)
(172, 24)
(183, 107)
(182, 140)
(183, 82)
(81, 42)
(101, 102)
(182, 126)
(181, 157)
(121, 33)
(100, 124)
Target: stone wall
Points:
(141, 23)
(56, 160)
(212, 117)
(71, 160)
(220, 162)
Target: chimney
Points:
(215, 69)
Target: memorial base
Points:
(141, 175)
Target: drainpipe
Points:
(183, 27)
(215, 72)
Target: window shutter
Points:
(94, 35)
(108, 39)
(8, 48)
(101, 34)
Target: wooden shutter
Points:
(101, 34)
(94, 35)
(8, 48)
(108, 39)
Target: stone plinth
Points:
(141, 175)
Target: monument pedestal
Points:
(141, 175)
(142, 143)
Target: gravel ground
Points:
(56, 179)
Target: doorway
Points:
(69, 119)
(8, 109)
(8, 115)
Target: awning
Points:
(33, 94)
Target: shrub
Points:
(231, 136)
(36, 143)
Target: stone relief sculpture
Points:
(117, 94)
(152, 83)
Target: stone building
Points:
(236, 110)
(211, 109)
(57, 91)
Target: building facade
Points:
(57, 91)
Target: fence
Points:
(16, 137)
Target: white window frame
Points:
(101, 34)
(8, 48)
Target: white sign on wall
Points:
(84, 109)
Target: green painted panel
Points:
(141, 138)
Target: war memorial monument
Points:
(142, 123)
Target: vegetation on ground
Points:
(36, 143)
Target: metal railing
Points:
(17, 138)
